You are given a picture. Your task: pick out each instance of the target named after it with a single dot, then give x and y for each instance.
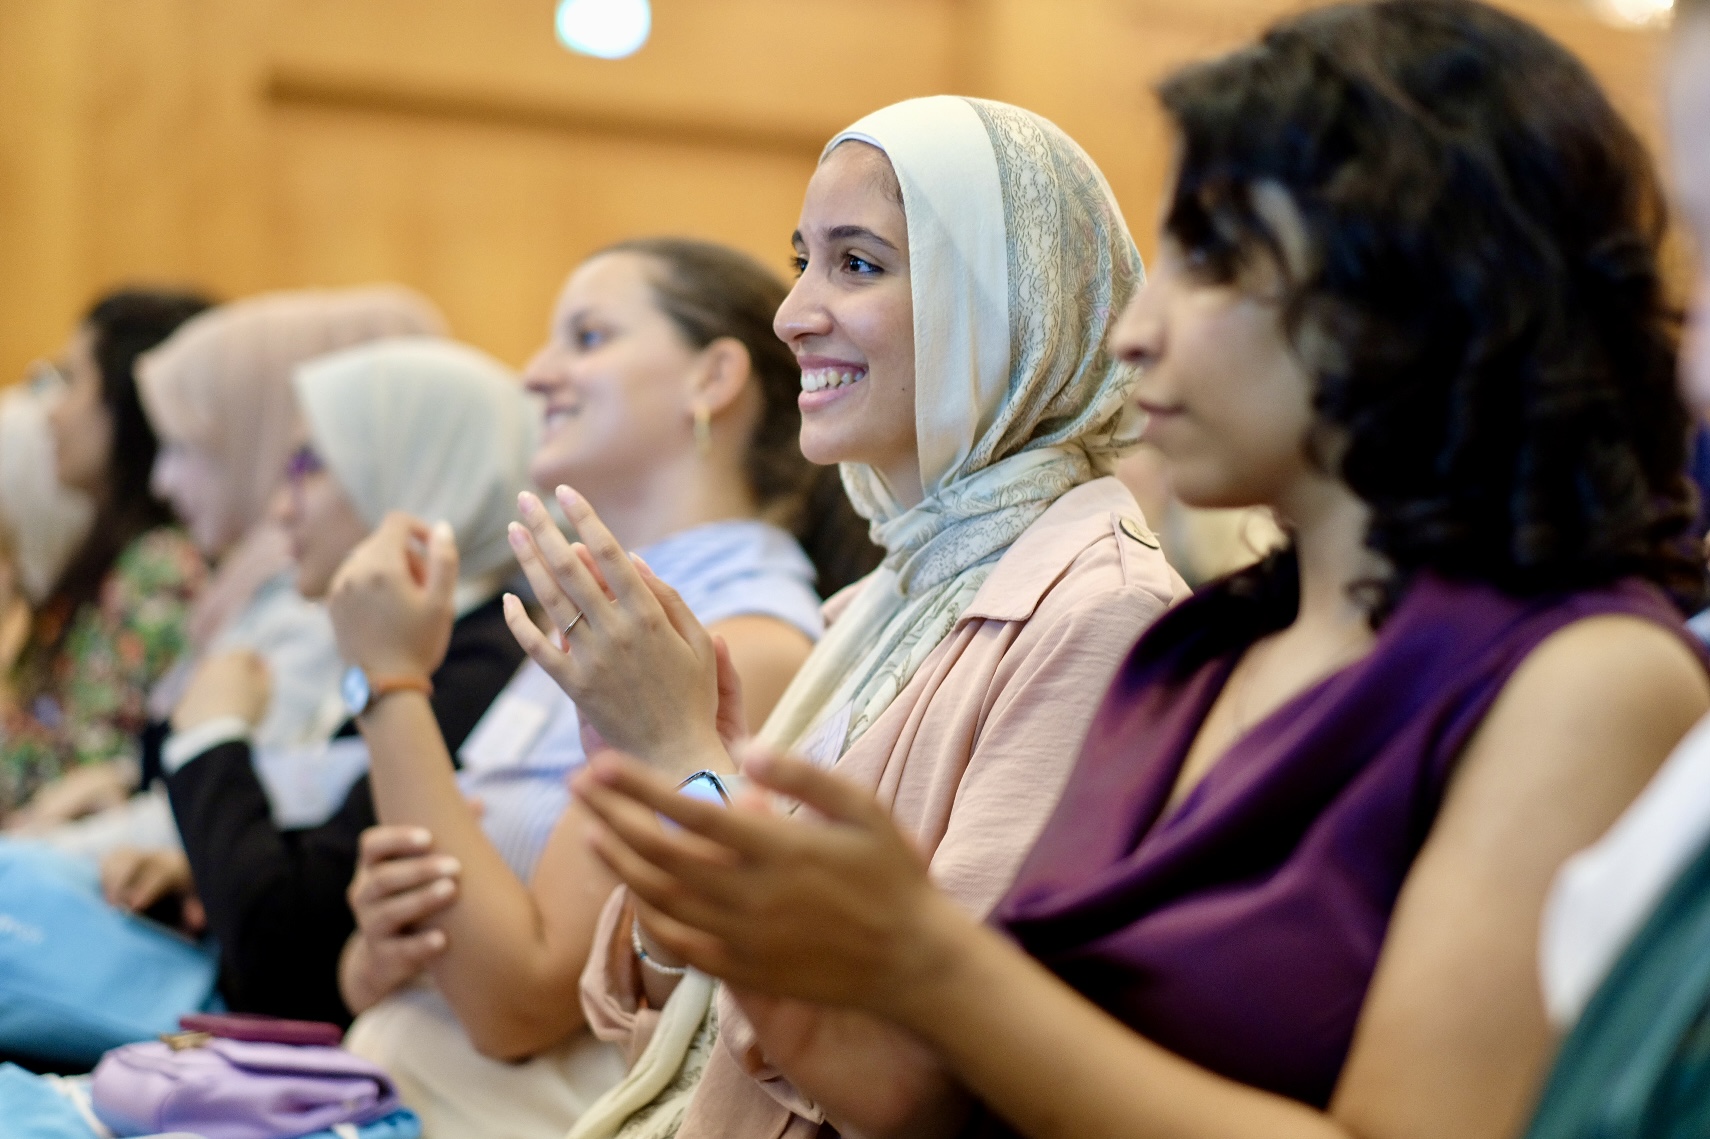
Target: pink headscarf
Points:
(222, 383)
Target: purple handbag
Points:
(237, 1089)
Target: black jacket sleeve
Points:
(276, 899)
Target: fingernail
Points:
(517, 535)
(642, 562)
(448, 865)
(442, 530)
(435, 939)
(566, 496)
(526, 504)
(421, 836)
(508, 600)
(442, 888)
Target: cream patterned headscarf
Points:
(1019, 262)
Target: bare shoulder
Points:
(1581, 725)
(766, 652)
(1453, 1038)
(759, 637)
(1612, 674)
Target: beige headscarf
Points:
(1019, 262)
(430, 427)
(222, 383)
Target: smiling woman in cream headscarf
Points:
(1018, 257)
(957, 678)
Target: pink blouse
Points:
(970, 758)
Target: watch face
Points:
(354, 688)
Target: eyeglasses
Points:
(303, 463)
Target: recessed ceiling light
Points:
(1635, 13)
(608, 29)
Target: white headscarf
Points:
(1019, 262)
(43, 520)
(430, 427)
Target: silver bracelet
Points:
(646, 959)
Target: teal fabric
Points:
(30, 1109)
(77, 976)
(1638, 1062)
(401, 1124)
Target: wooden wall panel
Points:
(454, 146)
(488, 219)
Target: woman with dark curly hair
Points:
(1407, 298)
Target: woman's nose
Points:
(1137, 336)
(544, 371)
(801, 314)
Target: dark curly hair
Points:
(1482, 307)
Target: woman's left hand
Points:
(642, 670)
(837, 910)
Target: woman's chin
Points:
(550, 468)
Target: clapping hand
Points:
(642, 670)
(392, 601)
(836, 909)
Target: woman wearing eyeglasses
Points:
(413, 424)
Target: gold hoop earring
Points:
(703, 430)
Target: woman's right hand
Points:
(832, 905)
(399, 884)
(642, 670)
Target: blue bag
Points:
(78, 976)
(31, 1109)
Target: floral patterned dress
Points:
(87, 702)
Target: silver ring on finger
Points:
(573, 622)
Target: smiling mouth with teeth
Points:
(824, 379)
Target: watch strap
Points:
(380, 687)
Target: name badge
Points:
(505, 734)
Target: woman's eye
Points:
(798, 264)
(858, 264)
(588, 338)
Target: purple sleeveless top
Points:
(1241, 930)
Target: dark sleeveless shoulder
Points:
(1240, 926)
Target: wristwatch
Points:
(361, 691)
